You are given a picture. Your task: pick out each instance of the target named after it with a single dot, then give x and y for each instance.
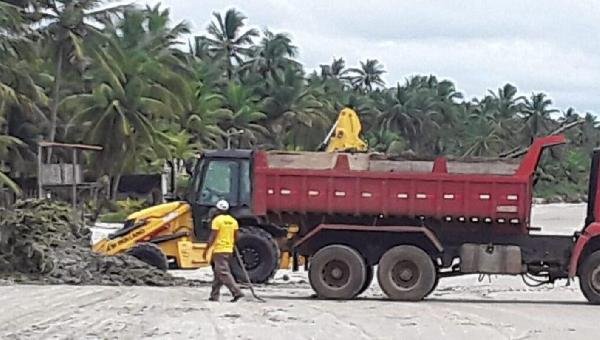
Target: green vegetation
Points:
(122, 210)
(119, 77)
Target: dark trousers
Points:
(222, 276)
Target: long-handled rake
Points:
(246, 276)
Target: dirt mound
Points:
(40, 243)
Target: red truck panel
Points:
(486, 198)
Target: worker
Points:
(224, 232)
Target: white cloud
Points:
(549, 46)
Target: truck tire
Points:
(337, 272)
(151, 254)
(260, 254)
(368, 280)
(435, 284)
(406, 273)
(589, 277)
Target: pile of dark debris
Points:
(41, 243)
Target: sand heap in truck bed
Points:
(40, 243)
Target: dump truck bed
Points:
(362, 184)
(379, 162)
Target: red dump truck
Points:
(415, 221)
(345, 214)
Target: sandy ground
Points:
(460, 308)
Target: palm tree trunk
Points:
(229, 69)
(55, 99)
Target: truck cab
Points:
(220, 174)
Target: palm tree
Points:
(119, 105)
(386, 141)
(413, 111)
(21, 96)
(295, 116)
(17, 83)
(241, 112)
(130, 98)
(445, 111)
(203, 124)
(198, 104)
(395, 115)
(335, 70)
(272, 56)
(483, 133)
(6, 143)
(227, 41)
(590, 134)
(65, 25)
(568, 116)
(367, 76)
(149, 30)
(537, 114)
(175, 149)
(507, 101)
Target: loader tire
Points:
(260, 254)
(151, 254)
(337, 272)
(406, 273)
(589, 277)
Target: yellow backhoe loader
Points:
(173, 235)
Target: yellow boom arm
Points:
(345, 133)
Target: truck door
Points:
(227, 179)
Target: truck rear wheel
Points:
(260, 254)
(589, 278)
(151, 254)
(337, 272)
(406, 273)
(435, 283)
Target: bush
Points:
(182, 185)
(114, 217)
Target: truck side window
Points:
(220, 182)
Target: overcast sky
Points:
(550, 46)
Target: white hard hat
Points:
(223, 205)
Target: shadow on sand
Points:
(435, 300)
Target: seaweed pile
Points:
(41, 243)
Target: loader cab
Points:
(221, 174)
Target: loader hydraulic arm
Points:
(157, 221)
(345, 134)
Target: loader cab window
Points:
(220, 182)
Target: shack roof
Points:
(71, 146)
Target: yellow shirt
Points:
(226, 227)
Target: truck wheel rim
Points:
(335, 273)
(595, 279)
(251, 258)
(405, 274)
